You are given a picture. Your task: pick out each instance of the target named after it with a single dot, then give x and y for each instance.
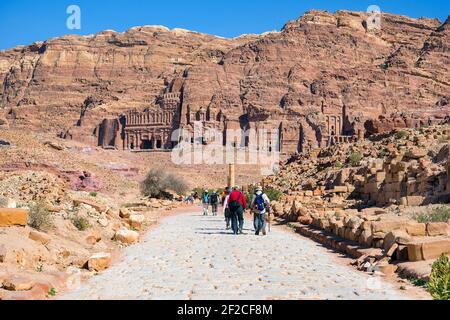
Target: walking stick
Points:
(270, 221)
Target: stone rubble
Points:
(365, 199)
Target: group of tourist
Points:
(234, 205)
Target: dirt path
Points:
(192, 257)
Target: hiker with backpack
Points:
(205, 202)
(214, 201)
(226, 209)
(260, 206)
(237, 205)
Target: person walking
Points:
(237, 205)
(214, 201)
(260, 206)
(226, 209)
(205, 202)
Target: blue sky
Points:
(26, 21)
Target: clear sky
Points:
(26, 21)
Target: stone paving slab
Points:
(192, 257)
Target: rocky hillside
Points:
(321, 58)
(390, 193)
(401, 167)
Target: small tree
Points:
(176, 184)
(39, 217)
(157, 183)
(355, 158)
(439, 285)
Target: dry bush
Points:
(3, 202)
(157, 183)
(40, 218)
(80, 223)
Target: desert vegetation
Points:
(158, 184)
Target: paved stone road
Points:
(192, 257)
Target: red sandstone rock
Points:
(288, 80)
(99, 262)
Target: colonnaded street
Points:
(190, 256)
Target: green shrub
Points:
(355, 158)
(52, 292)
(439, 284)
(93, 194)
(272, 194)
(338, 164)
(39, 217)
(401, 134)
(441, 214)
(80, 223)
(419, 283)
(157, 183)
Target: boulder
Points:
(386, 226)
(396, 236)
(435, 229)
(392, 250)
(93, 238)
(434, 249)
(112, 213)
(41, 237)
(124, 213)
(386, 269)
(416, 153)
(366, 238)
(13, 217)
(354, 222)
(305, 220)
(18, 283)
(99, 207)
(426, 249)
(416, 229)
(103, 222)
(99, 261)
(127, 236)
(136, 221)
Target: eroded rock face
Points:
(319, 65)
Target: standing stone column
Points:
(360, 135)
(231, 175)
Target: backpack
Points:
(205, 198)
(259, 202)
(214, 199)
(234, 205)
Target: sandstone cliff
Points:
(319, 59)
